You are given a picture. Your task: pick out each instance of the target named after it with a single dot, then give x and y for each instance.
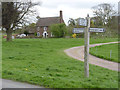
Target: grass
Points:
(43, 62)
(108, 52)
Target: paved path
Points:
(14, 84)
(78, 53)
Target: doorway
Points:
(45, 34)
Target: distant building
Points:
(43, 25)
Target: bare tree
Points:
(15, 14)
(103, 13)
(71, 22)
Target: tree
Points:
(92, 23)
(26, 32)
(103, 13)
(38, 17)
(58, 30)
(27, 29)
(71, 22)
(32, 25)
(14, 14)
(9, 16)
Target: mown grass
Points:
(108, 52)
(43, 62)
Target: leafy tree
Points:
(92, 23)
(32, 25)
(38, 17)
(58, 30)
(14, 14)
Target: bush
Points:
(35, 33)
(26, 32)
(74, 35)
(58, 30)
(69, 30)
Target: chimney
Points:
(61, 17)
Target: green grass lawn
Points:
(109, 52)
(43, 62)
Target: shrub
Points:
(26, 32)
(35, 33)
(74, 35)
(58, 30)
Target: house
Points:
(43, 25)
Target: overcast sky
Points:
(71, 8)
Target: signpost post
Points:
(87, 30)
(86, 49)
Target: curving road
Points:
(78, 53)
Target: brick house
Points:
(43, 24)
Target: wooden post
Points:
(110, 54)
(86, 48)
(0, 60)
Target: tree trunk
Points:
(9, 35)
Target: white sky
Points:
(71, 8)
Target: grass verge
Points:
(108, 52)
(43, 62)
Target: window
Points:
(45, 28)
(38, 34)
(38, 28)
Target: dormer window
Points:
(45, 28)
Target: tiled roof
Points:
(48, 21)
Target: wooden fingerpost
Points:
(86, 48)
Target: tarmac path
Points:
(15, 84)
(78, 53)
